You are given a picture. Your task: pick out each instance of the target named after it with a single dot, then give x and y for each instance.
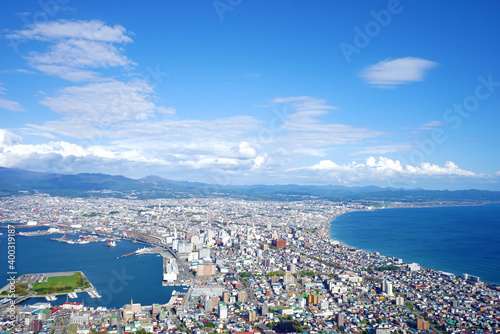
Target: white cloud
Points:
(388, 148)
(390, 73)
(62, 29)
(10, 105)
(68, 73)
(82, 53)
(304, 128)
(246, 151)
(431, 125)
(8, 138)
(104, 103)
(76, 46)
(305, 103)
(382, 169)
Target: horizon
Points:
(254, 93)
(261, 184)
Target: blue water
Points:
(459, 240)
(117, 280)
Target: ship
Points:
(111, 243)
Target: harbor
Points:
(47, 285)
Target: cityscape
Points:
(249, 167)
(241, 266)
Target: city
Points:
(248, 266)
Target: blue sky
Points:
(389, 93)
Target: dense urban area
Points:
(246, 267)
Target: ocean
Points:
(136, 277)
(463, 239)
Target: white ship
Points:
(111, 243)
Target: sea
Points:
(454, 239)
(118, 280)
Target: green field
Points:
(61, 284)
(51, 285)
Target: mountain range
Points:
(17, 182)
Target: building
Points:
(340, 319)
(422, 325)
(380, 330)
(36, 326)
(170, 270)
(291, 268)
(222, 311)
(252, 316)
(242, 297)
(387, 288)
(312, 299)
(279, 243)
(288, 278)
(208, 304)
(206, 269)
(400, 301)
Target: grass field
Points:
(50, 285)
(61, 284)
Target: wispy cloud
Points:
(8, 104)
(391, 73)
(431, 125)
(62, 29)
(75, 47)
(104, 102)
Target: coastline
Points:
(328, 229)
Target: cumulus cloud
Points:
(391, 73)
(8, 138)
(374, 170)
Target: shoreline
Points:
(329, 231)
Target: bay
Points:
(117, 280)
(458, 239)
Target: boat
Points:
(72, 295)
(111, 243)
(50, 298)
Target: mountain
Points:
(17, 181)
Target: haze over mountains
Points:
(17, 181)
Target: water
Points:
(117, 280)
(453, 239)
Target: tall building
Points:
(387, 288)
(208, 305)
(422, 325)
(36, 326)
(222, 311)
(340, 320)
(291, 268)
(288, 278)
(252, 316)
